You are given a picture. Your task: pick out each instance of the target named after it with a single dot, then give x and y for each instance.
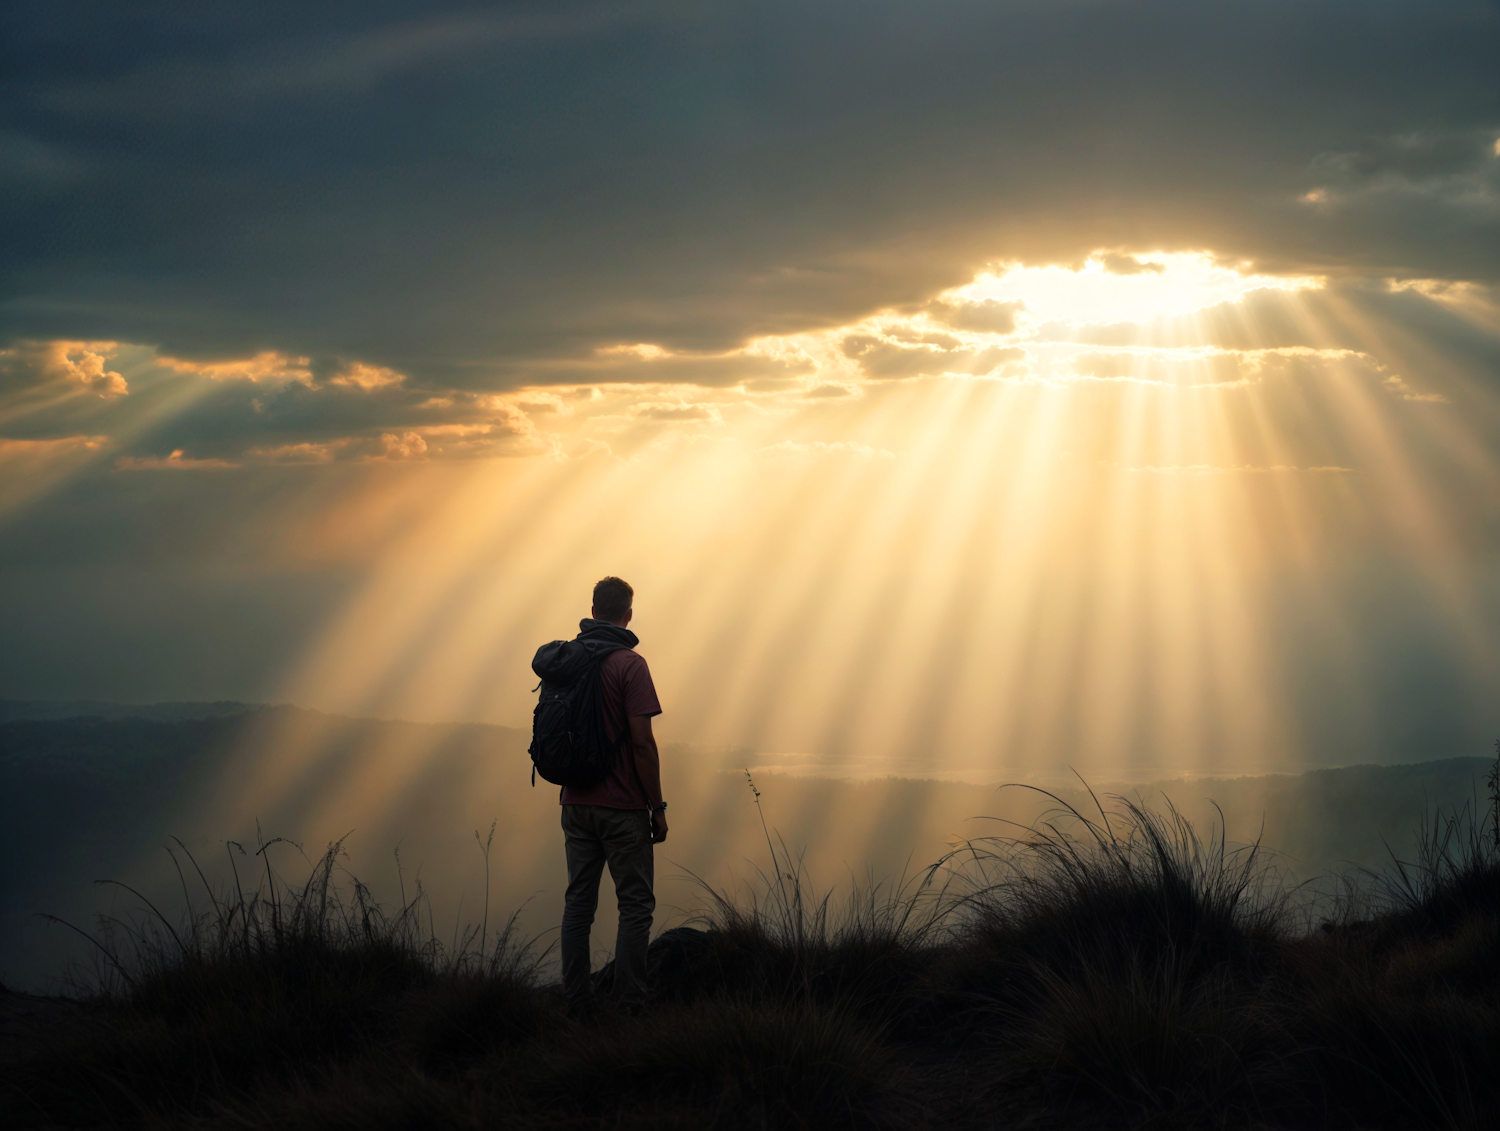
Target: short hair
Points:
(612, 598)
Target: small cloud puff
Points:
(656, 410)
(406, 446)
(1397, 385)
(988, 316)
(299, 453)
(358, 375)
(176, 461)
(30, 364)
(1117, 264)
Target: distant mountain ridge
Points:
(49, 710)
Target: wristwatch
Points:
(662, 808)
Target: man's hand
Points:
(658, 827)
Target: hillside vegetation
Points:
(1106, 967)
(94, 795)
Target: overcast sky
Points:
(253, 257)
(462, 191)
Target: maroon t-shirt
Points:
(628, 692)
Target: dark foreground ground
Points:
(1092, 973)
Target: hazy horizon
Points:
(724, 758)
(101, 798)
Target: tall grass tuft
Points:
(254, 983)
(777, 937)
(1117, 958)
(1455, 875)
(329, 916)
(1128, 889)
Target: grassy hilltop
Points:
(1103, 969)
(1123, 966)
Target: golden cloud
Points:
(268, 365)
(77, 363)
(358, 375)
(175, 461)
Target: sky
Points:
(968, 389)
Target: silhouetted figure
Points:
(599, 683)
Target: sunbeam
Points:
(1087, 556)
(1115, 530)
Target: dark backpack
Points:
(569, 743)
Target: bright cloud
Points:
(408, 445)
(1196, 324)
(1111, 287)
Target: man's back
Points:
(628, 692)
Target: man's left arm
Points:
(648, 766)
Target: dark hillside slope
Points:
(1130, 973)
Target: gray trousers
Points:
(621, 838)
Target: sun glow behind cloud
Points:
(1116, 287)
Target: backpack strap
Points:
(534, 690)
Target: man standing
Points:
(617, 821)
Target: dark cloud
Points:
(650, 367)
(267, 409)
(471, 195)
(293, 422)
(1117, 264)
(917, 337)
(885, 360)
(987, 316)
